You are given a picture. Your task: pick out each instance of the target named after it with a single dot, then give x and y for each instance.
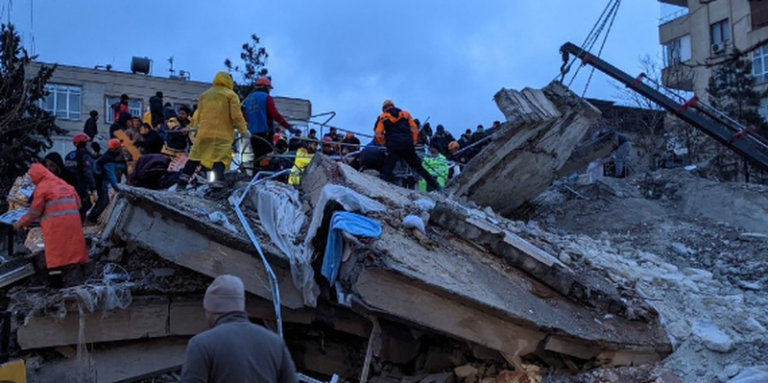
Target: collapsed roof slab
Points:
(543, 129)
(446, 283)
(177, 228)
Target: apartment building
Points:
(698, 32)
(75, 91)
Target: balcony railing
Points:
(673, 16)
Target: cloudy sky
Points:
(443, 59)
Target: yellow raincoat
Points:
(300, 164)
(217, 116)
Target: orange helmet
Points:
(264, 81)
(80, 138)
(114, 144)
(453, 146)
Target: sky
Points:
(442, 60)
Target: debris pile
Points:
(383, 284)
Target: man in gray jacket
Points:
(234, 350)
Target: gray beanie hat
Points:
(225, 294)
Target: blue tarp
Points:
(354, 224)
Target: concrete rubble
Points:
(473, 298)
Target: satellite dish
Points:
(141, 65)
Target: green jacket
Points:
(438, 167)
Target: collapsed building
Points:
(437, 288)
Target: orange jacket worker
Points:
(57, 206)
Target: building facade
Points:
(75, 91)
(704, 32)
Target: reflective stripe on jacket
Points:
(57, 205)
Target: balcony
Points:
(679, 3)
(678, 77)
(671, 17)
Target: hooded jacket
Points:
(218, 112)
(57, 206)
(64, 173)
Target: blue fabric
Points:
(256, 109)
(354, 224)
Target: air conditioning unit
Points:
(718, 48)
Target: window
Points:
(63, 101)
(721, 32)
(677, 51)
(759, 12)
(764, 108)
(760, 65)
(134, 107)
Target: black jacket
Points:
(151, 142)
(157, 110)
(66, 174)
(91, 128)
(80, 163)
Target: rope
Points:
(606, 19)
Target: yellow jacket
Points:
(300, 164)
(147, 118)
(218, 111)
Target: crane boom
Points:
(707, 119)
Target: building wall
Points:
(696, 23)
(97, 85)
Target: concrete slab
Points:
(543, 129)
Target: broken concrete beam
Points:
(116, 363)
(146, 317)
(520, 253)
(583, 155)
(154, 221)
(455, 287)
(12, 272)
(543, 130)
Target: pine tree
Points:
(254, 57)
(25, 129)
(731, 89)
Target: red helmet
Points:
(80, 138)
(264, 81)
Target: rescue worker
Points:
(437, 165)
(151, 142)
(303, 157)
(234, 349)
(454, 155)
(121, 123)
(372, 157)
(91, 127)
(120, 107)
(55, 164)
(216, 119)
(398, 132)
(107, 169)
(80, 162)
(441, 139)
(176, 138)
(261, 111)
(351, 143)
(156, 109)
(56, 205)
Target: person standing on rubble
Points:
(234, 349)
(57, 205)
(216, 119)
(441, 139)
(80, 162)
(261, 111)
(397, 131)
(108, 169)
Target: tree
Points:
(731, 89)
(254, 57)
(25, 128)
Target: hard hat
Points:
(114, 144)
(387, 104)
(264, 81)
(80, 138)
(453, 146)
